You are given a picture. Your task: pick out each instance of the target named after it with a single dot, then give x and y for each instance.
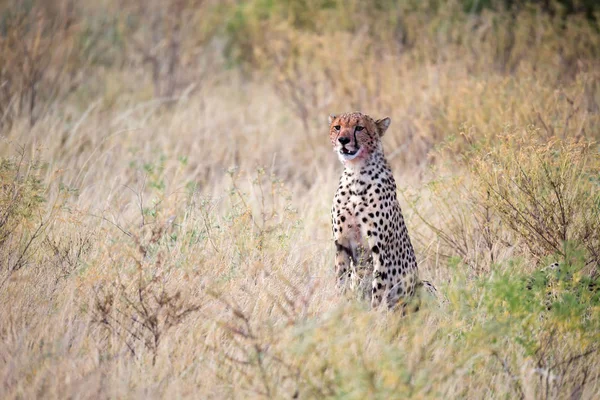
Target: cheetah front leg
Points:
(343, 261)
(380, 274)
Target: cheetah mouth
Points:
(349, 154)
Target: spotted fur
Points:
(366, 216)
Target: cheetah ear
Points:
(331, 118)
(383, 124)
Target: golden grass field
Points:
(165, 197)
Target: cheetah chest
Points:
(356, 233)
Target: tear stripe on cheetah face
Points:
(366, 212)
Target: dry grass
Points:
(180, 246)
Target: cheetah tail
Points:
(428, 287)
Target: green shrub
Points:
(22, 200)
(525, 192)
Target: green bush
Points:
(22, 201)
(528, 192)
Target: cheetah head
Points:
(355, 136)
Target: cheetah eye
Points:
(359, 128)
(337, 127)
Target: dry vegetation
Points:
(166, 177)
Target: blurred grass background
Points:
(166, 179)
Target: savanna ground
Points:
(166, 180)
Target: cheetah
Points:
(366, 218)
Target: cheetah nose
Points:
(344, 140)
